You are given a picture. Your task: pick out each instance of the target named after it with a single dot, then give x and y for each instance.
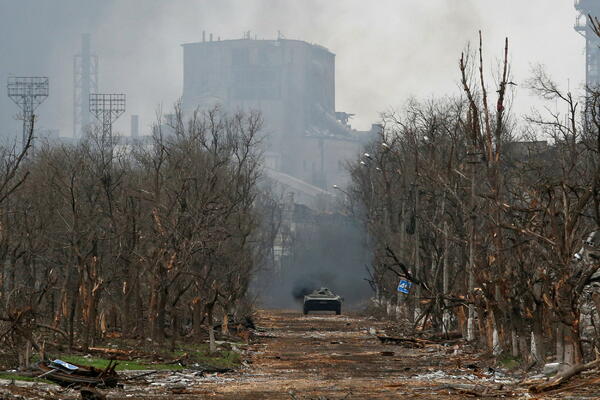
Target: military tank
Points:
(322, 299)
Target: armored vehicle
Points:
(322, 299)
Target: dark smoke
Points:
(329, 251)
(300, 290)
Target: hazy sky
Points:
(386, 50)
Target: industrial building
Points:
(292, 83)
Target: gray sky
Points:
(386, 50)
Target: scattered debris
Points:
(478, 391)
(210, 369)
(295, 397)
(563, 377)
(139, 376)
(70, 375)
(89, 394)
(178, 389)
(551, 368)
(411, 342)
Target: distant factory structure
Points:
(588, 8)
(292, 83)
(85, 82)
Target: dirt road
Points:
(332, 357)
(324, 356)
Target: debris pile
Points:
(70, 375)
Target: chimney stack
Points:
(135, 126)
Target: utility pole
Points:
(445, 273)
(401, 224)
(417, 261)
(473, 160)
(471, 317)
(400, 299)
(27, 93)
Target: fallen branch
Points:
(110, 351)
(181, 360)
(444, 337)
(563, 377)
(209, 368)
(294, 397)
(118, 354)
(400, 340)
(57, 330)
(577, 385)
(471, 390)
(139, 376)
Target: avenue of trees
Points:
(484, 218)
(151, 241)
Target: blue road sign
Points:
(404, 286)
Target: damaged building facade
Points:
(292, 83)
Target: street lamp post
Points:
(473, 159)
(400, 297)
(367, 165)
(347, 197)
(417, 260)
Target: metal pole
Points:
(417, 238)
(471, 266)
(400, 299)
(416, 256)
(445, 275)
